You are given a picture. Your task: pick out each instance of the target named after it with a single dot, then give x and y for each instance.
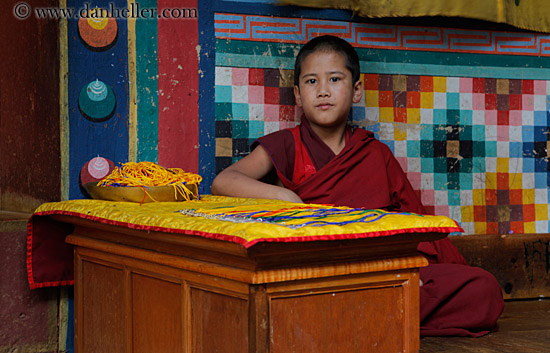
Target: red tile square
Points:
(413, 99)
(400, 115)
(286, 113)
(271, 95)
(528, 87)
(503, 117)
(492, 228)
(491, 196)
(529, 213)
(491, 102)
(479, 214)
(516, 196)
(515, 102)
(478, 85)
(516, 227)
(503, 181)
(256, 77)
(426, 83)
(371, 82)
(385, 99)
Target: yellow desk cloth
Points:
(211, 217)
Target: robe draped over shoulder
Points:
(455, 299)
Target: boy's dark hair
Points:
(328, 43)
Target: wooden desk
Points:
(140, 291)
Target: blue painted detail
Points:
(89, 139)
(207, 131)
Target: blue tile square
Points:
(426, 132)
(528, 149)
(358, 113)
(478, 133)
(466, 117)
(540, 133)
(413, 149)
(541, 180)
(540, 118)
(223, 94)
(240, 111)
(440, 117)
(490, 148)
(527, 134)
(516, 150)
(255, 129)
(453, 100)
(541, 165)
(528, 165)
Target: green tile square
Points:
(478, 165)
(440, 132)
(466, 165)
(240, 129)
(453, 116)
(478, 148)
(223, 111)
(465, 132)
(427, 165)
(454, 197)
(426, 149)
(440, 181)
(440, 165)
(465, 181)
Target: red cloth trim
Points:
(50, 259)
(303, 165)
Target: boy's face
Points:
(326, 90)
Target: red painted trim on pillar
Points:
(178, 84)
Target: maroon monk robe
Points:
(455, 299)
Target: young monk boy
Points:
(325, 161)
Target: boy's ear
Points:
(357, 91)
(297, 96)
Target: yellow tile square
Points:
(541, 212)
(480, 227)
(479, 197)
(440, 84)
(529, 227)
(400, 132)
(528, 196)
(491, 181)
(502, 165)
(371, 98)
(400, 83)
(515, 181)
(426, 100)
(413, 115)
(503, 86)
(467, 213)
(386, 115)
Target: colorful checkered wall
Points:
(475, 148)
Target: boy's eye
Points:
(311, 81)
(334, 79)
